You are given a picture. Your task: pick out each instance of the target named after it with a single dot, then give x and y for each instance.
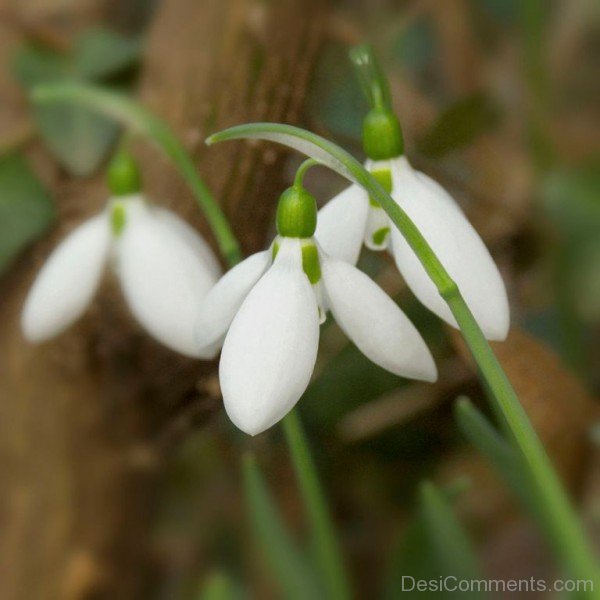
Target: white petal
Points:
(187, 232)
(459, 248)
(224, 300)
(163, 278)
(67, 282)
(341, 224)
(270, 350)
(372, 320)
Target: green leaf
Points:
(411, 558)
(77, 136)
(450, 544)
(35, 64)
(26, 210)
(219, 586)
(285, 561)
(492, 446)
(101, 53)
(433, 546)
(459, 125)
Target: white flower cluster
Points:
(265, 312)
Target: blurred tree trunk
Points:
(80, 416)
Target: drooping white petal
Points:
(271, 347)
(224, 300)
(459, 247)
(341, 224)
(188, 233)
(67, 282)
(372, 320)
(163, 278)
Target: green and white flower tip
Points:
(352, 218)
(164, 267)
(266, 312)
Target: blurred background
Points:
(120, 472)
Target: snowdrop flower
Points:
(352, 218)
(267, 311)
(164, 267)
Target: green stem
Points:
(140, 120)
(561, 523)
(327, 550)
(302, 169)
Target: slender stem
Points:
(302, 169)
(140, 120)
(327, 550)
(561, 523)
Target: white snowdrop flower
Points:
(266, 313)
(164, 267)
(352, 218)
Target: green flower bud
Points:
(382, 135)
(296, 213)
(123, 176)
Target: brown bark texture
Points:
(82, 416)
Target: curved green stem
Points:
(302, 169)
(140, 120)
(558, 517)
(326, 547)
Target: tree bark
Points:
(81, 416)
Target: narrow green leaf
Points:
(26, 210)
(411, 561)
(285, 561)
(488, 441)
(139, 120)
(449, 542)
(326, 546)
(433, 547)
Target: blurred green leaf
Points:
(416, 45)
(219, 586)
(336, 99)
(77, 136)
(26, 210)
(35, 64)
(287, 564)
(450, 545)
(101, 53)
(571, 200)
(434, 546)
(492, 446)
(459, 125)
(411, 559)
